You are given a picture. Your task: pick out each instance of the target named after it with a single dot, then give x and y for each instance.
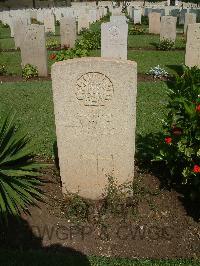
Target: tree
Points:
(34, 3)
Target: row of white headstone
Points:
(83, 15)
(166, 25)
(114, 36)
(31, 39)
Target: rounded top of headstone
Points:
(93, 60)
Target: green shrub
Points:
(19, 184)
(89, 40)
(52, 44)
(70, 54)
(29, 71)
(3, 69)
(136, 30)
(180, 149)
(106, 18)
(166, 45)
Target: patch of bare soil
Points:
(160, 228)
(10, 78)
(149, 78)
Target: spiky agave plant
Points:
(19, 182)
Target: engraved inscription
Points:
(114, 33)
(94, 89)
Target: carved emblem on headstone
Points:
(94, 89)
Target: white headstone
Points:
(114, 40)
(95, 115)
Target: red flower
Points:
(52, 56)
(168, 140)
(196, 169)
(198, 108)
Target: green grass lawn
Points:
(12, 61)
(8, 43)
(39, 258)
(34, 105)
(4, 32)
(134, 41)
(149, 41)
(148, 59)
(145, 60)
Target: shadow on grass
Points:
(155, 44)
(178, 69)
(147, 147)
(21, 245)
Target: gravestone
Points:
(92, 16)
(95, 116)
(154, 23)
(33, 14)
(114, 40)
(130, 12)
(182, 16)
(175, 12)
(168, 28)
(167, 10)
(33, 48)
(189, 19)
(147, 11)
(137, 16)
(49, 23)
(117, 11)
(68, 31)
(160, 11)
(196, 12)
(83, 22)
(121, 19)
(19, 31)
(192, 57)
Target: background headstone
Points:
(182, 16)
(168, 28)
(83, 22)
(192, 57)
(19, 31)
(33, 48)
(189, 19)
(118, 19)
(68, 31)
(137, 16)
(114, 40)
(49, 23)
(154, 23)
